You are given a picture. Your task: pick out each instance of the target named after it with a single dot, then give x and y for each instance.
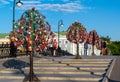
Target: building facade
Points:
(72, 47)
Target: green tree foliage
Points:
(114, 47)
(107, 38)
(62, 32)
(3, 35)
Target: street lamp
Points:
(19, 3)
(60, 24)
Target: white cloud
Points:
(30, 2)
(66, 7)
(4, 2)
(61, 7)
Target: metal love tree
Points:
(94, 40)
(30, 32)
(76, 33)
(31, 26)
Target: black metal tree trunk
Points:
(77, 56)
(93, 43)
(32, 77)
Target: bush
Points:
(3, 35)
(114, 47)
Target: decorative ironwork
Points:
(5, 51)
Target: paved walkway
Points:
(24, 61)
(115, 74)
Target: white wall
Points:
(71, 47)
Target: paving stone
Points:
(59, 69)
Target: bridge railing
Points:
(5, 51)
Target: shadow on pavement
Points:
(16, 64)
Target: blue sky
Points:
(100, 15)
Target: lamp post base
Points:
(32, 78)
(78, 57)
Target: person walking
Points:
(85, 48)
(55, 46)
(104, 48)
(13, 49)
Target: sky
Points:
(100, 15)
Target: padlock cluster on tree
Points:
(77, 33)
(94, 38)
(31, 30)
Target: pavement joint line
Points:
(36, 62)
(67, 68)
(54, 78)
(67, 64)
(61, 62)
(60, 72)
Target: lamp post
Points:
(19, 3)
(60, 24)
